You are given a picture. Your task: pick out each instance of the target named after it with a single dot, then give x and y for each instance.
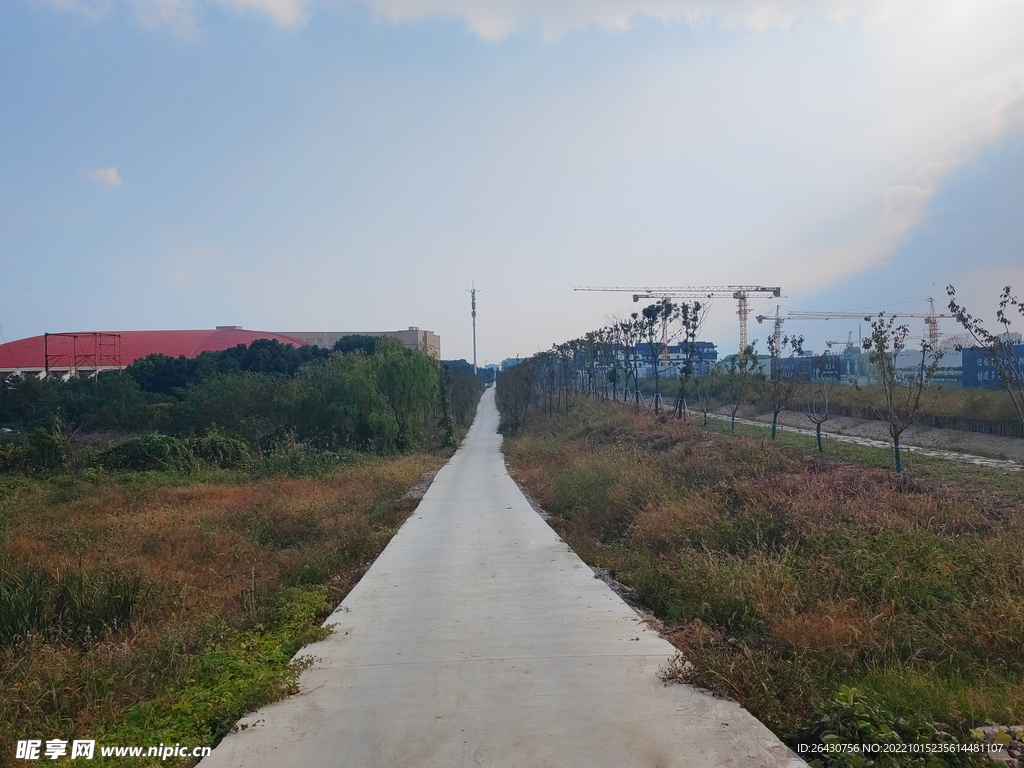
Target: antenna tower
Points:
(472, 293)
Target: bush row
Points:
(284, 406)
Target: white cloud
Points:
(107, 177)
(494, 19)
(830, 163)
(177, 15)
(287, 13)
(90, 9)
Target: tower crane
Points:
(931, 319)
(739, 292)
(777, 330)
(847, 342)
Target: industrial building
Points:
(704, 356)
(413, 338)
(94, 351)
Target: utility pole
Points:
(472, 292)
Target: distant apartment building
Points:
(413, 338)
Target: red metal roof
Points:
(29, 353)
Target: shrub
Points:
(298, 460)
(222, 450)
(12, 457)
(150, 452)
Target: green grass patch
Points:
(238, 674)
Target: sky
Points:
(344, 165)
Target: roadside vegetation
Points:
(170, 536)
(941, 400)
(157, 608)
(232, 406)
(789, 580)
(838, 601)
(938, 400)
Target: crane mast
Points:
(778, 321)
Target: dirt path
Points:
(941, 443)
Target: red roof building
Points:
(94, 350)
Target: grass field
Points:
(938, 400)
(148, 607)
(785, 577)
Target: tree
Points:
(356, 342)
(901, 399)
(408, 382)
(1000, 349)
(163, 375)
(707, 385)
(514, 393)
(566, 354)
(338, 404)
(458, 396)
(816, 394)
(630, 333)
(690, 320)
(588, 347)
(605, 360)
(246, 405)
(656, 328)
(741, 380)
(778, 390)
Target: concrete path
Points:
(479, 639)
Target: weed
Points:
(172, 603)
(856, 717)
(72, 605)
(783, 575)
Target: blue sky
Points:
(319, 164)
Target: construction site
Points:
(938, 337)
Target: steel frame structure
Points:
(103, 352)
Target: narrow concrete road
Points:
(479, 639)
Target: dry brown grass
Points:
(782, 575)
(214, 558)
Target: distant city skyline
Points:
(342, 164)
